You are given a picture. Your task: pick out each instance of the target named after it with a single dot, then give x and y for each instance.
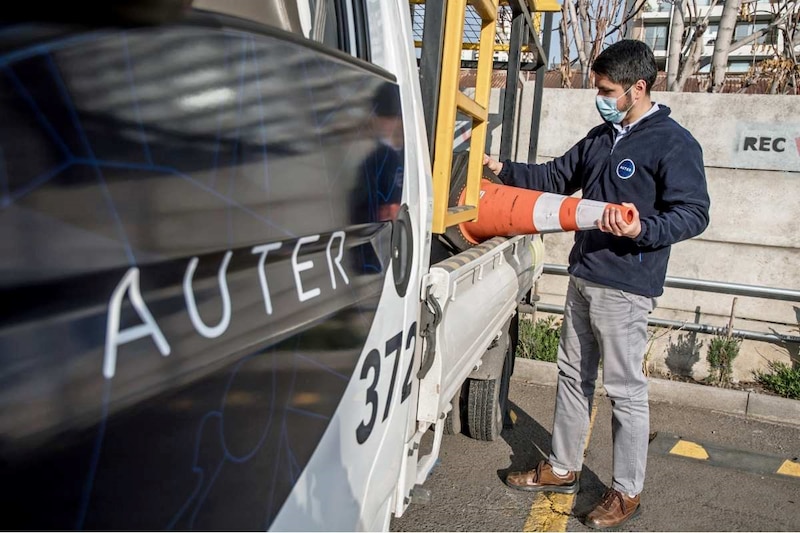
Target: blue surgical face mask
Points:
(607, 107)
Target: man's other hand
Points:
(494, 166)
(613, 222)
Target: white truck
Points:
(234, 293)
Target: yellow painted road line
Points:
(710, 454)
(691, 449)
(789, 468)
(550, 510)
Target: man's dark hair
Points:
(627, 61)
(387, 100)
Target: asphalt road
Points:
(738, 490)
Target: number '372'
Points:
(371, 369)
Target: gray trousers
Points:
(601, 321)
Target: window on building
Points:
(739, 67)
(663, 6)
(735, 66)
(743, 29)
(710, 34)
(656, 37)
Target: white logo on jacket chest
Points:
(626, 169)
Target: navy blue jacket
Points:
(658, 167)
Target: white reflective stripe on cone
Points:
(588, 212)
(546, 212)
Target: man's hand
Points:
(612, 222)
(494, 166)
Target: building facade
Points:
(653, 25)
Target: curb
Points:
(749, 404)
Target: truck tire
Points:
(487, 399)
(452, 424)
(485, 420)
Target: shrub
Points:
(781, 379)
(721, 352)
(539, 340)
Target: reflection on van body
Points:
(177, 201)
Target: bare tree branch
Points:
(722, 44)
(693, 56)
(675, 45)
(565, 67)
(637, 9)
(686, 46)
(744, 41)
(584, 61)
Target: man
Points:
(639, 155)
(378, 191)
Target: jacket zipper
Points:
(613, 140)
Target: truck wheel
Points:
(452, 424)
(485, 417)
(487, 399)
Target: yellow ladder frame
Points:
(451, 100)
(498, 47)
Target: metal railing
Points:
(738, 289)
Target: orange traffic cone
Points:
(507, 211)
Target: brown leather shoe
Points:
(614, 510)
(542, 478)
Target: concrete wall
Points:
(754, 235)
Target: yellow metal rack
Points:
(452, 100)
